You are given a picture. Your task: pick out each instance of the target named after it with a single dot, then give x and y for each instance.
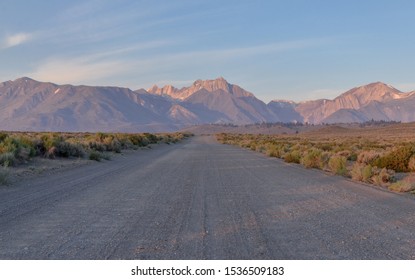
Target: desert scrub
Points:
(7, 159)
(98, 156)
(361, 172)
(313, 158)
(292, 157)
(397, 159)
(67, 149)
(382, 177)
(411, 164)
(338, 165)
(274, 151)
(372, 174)
(405, 185)
(18, 147)
(368, 157)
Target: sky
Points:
(277, 49)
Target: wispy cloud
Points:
(131, 61)
(78, 71)
(15, 40)
(93, 22)
(172, 61)
(94, 67)
(256, 50)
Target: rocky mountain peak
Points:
(211, 85)
(218, 84)
(25, 80)
(166, 90)
(373, 91)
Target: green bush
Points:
(402, 186)
(411, 164)
(367, 157)
(8, 145)
(66, 149)
(97, 146)
(151, 138)
(50, 140)
(337, 165)
(23, 153)
(95, 155)
(361, 172)
(292, 157)
(7, 159)
(312, 158)
(139, 140)
(274, 151)
(397, 159)
(3, 136)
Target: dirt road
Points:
(202, 200)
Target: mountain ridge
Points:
(210, 85)
(27, 104)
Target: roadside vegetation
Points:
(373, 157)
(17, 148)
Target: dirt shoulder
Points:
(41, 166)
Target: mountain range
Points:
(29, 105)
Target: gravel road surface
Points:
(201, 200)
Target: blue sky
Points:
(281, 49)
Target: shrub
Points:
(361, 172)
(66, 149)
(152, 139)
(139, 140)
(273, 151)
(352, 156)
(51, 152)
(411, 164)
(292, 157)
(24, 153)
(337, 165)
(112, 144)
(382, 177)
(397, 160)
(402, 186)
(95, 155)
(367, 157)
(325, 146)
(50, 140)
(8, 145)
(96, 146)
(260, 148)
(312, 159)
(325, 157)
(7, 159)
(3, 136)
(98, 156)
(344, 153)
